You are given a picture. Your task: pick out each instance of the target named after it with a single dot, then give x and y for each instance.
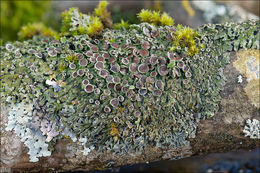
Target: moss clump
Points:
(72, 58)
(15, 14)
(102, 12)
(155, 17)
(185, 37)
(76, 23)
(122, 25)
(95, 27)
(30, 30)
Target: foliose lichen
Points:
(252, 129)
(120, 91)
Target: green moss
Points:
(72, 58)
(122, 25)
(154, 17)
(30, 30)
(15, 14)
(185, 37)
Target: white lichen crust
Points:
(252, 129)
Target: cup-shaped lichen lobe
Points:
(122, 82)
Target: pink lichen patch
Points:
(157, 92)
(180, 64)
(94, 48)
(154, 60)
(117, 79)
(80, 56)
(74, 74)
(105, 46)
(155, 33)
(89, 88)
(125, 89)
(133, 67)
(123, 71)
(100, 58)
(85, 82)
(188, 74)
(111, 86)
(83, 62)
(133, 97)
(124, 82)
(114, 102)
(177, 57)
(121, 98)
(138, 84)
(107, 92)
(72, 66)
(163, 70)
(115, 68)
(144, 52)
(99, 65)
(115, 45)
(107, 109)
(80, 72)
(131, 107)
(96, 55)
(106, 55)
(92, 59)
(186, 68)
(159, 84)
(145, 45)
(89, 53)
(170, 55)
(118, 87)
(125, 61)
(112, 59)
(143, 79)
(103, 73)
(143, 68)
(109, 78)
(153, 73)
(148, 60)
(142, 92)
(136, 60)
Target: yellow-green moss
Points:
(185, 37)
(155, 17)
(121, 25)
(30, 30)
(72, 58)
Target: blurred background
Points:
(15, 14)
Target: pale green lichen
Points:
(124, 94)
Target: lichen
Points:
(252, 129)
(118, 95)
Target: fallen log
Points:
(128, 97)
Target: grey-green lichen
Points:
(252, 129)
(122, 90)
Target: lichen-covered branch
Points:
(121, 92)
